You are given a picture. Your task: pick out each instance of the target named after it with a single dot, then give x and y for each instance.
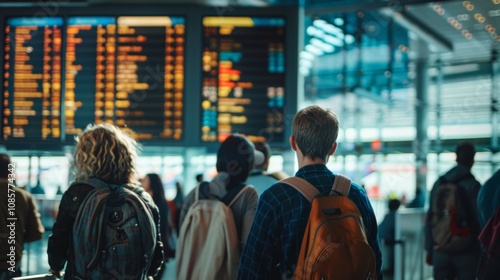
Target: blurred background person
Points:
(27, 226)
(176, 206)
(153, 185)
(488, 198)
(259, 178)
(387, 235)
(460, 263)
(199, 178)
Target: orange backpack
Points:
(334, 244)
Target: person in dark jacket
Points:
(387, 231)
(153, 185)
(20, 221)
(273, 245)
(461, 264)
(488, 198)
(106, 153)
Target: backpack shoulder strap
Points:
(233, 194)
(303, 186)
(341, 184)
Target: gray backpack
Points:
(452, 222)
(114, 234)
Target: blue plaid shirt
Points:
(273, 244)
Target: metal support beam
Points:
(495, 98)
(361, 92)
(423, 32)
(439, 93)
(421, 144)
(357, 125)
(329, 7)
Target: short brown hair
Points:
(105, 152)
(315, 131)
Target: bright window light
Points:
(338, 21)
(322, 46)
(306, 55)
(332, 40)
(304, 71)
(349, 39)
(314, 50)
(305, 63)
(313, 31)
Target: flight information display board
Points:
(32, 79)
(243, 78)
(90, 72)
(128, 71)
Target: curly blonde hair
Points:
(107, 153)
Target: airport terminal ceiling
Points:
(395, 35)
(371, 81)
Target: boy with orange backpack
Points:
(317, 224)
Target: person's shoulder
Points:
(79, 186)
(22, 195)
(493, 181)
(359, 196)
(279, 193)
(357, 191)
(250, 190)
(21, 191)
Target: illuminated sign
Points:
(243, 86)
(32, 79)
(127, 71)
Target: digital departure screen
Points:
(32, 79)
(90, 72)
(150, 75)
(128, 71)
(243, 80)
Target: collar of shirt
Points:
(312, 168)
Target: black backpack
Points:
(114, 234)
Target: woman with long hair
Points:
(106, 155)
(153, 185)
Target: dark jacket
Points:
(466, 181)
(23, 215)
(489, 198)
(60, 246)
